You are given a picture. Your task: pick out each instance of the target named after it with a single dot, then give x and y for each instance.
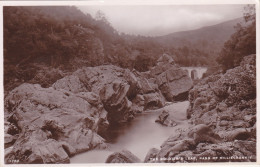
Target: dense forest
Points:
(41, 44)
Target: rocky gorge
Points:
(222, 116)
(78, 89)
(50, 125)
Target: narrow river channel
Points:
(139, 135)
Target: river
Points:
(139, 135)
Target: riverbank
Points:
(109, 109)
(223, 118)
(50, 125)
(139, 135)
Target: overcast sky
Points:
(161, 20)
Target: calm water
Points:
(200, 70)
(139, 136)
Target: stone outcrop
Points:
(114, 90)
(170, 116)
(223, 120)
(151, 155)
(166, 119)
(123, 156)
(122, 92)
(48, 125)
(226, 101)
(199, 143)
(173, 82)
(11, 133)
(53, 124)
(70, 83)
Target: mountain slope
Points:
(42, 44)
(210, 38)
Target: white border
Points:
(128, 2)
(125, 2)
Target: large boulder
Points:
(70, 83)
(165, 58)
(153, 101)
(115, 86)
(185, 140)
(120, 91)
(53, 124)
(170, 114)
(116, 102)
(166, 119)
(123, 156)
(151, 155)
(173, 82)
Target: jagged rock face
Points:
(109, 83)
(53, 124)
(70, 83)
(173, 82)
(226, 101)
(120, 90)
(116, 102)
(151, 155)
(123, 156)
(223, 120)
(201, 141)
(48, 125)
(11, 133)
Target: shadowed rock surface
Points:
(73, 114)
(122, 157)
(49, 125)
(223, 120)
(53, 124)
(226, 101)
(122, 93)
(151, 154)
(173, 82)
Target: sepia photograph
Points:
(100, 84)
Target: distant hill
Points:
(42, 44)
(209, 39)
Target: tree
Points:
(241, 43)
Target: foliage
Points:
(63, 38)
(241, 43)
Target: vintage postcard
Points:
(143, 82)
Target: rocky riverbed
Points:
(222, 116)
(50, 125)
